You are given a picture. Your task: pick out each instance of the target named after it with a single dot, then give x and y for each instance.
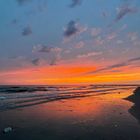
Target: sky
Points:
(69, 42)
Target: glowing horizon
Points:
(59, 75)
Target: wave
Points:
(12, 97)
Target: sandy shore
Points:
(103, 117)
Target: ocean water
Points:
(12, 97)
(69, 112)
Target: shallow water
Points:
(12, 97)
(69, 113)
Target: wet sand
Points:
(101, 117)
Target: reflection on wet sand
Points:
(99, 117)
(135, 109)
(25, 96)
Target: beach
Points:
(70, 70)
(74, 113)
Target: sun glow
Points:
(67, 75)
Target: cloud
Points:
(45, 49)
(40, 6)
(14, 21)
(54, 53)
(35, 61)
(27, 31)
(17, 58)
(90, 54)
(99, 41)
(56, 49)
(119, 42)
(118, 65)
(95, 31)
(133, 36)
(67, 51)
(41, 48)
(71, 29)
(123, 11)
(20, 2)
(79, 45)
(104, 14)
(111, 36)
(53, 61)
(110, 67)
(75, 3)
(57, 55)
(134, 59)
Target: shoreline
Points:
(95, 117)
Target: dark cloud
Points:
(46, 49)
(42, 48)
(71, 29)
(35, 61)
(118, 65)
(105, 14)
(40, 6)
(20, 2)
(110, 67)
(14, 21)
(75, 3)
(53, 54)
(53, 61)
(27, 31)
(56, 57)
(123, 11)
(134, 59)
